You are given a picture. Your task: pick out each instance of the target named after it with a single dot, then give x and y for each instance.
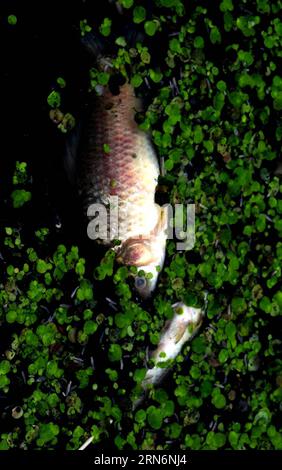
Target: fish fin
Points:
(190, 326)
(164, 218)
(71, 152)
(162, 223)
(180, 332)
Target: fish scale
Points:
(128, 170)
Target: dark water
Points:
(42, 46)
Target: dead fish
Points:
(183, 326)
(117, 162)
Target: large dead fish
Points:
(117, 164)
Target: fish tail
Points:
(96, 45)
(100, 47)
(102, 53)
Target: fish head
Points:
(148, 256)
(156, 245)
(146, 283)
(190, 315)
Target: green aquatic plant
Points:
(105, 28)
(20, 197)
(54, 99)
(139, 14)
(84, 27)
(12, 20)
(217, 128)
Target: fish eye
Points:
(140, 282)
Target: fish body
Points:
(118, 165)
(118, 159)
(184, 324)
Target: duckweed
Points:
(75, 358)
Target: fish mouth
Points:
(140, 253)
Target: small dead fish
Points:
(183, 326)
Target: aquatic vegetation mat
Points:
(74, 337)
